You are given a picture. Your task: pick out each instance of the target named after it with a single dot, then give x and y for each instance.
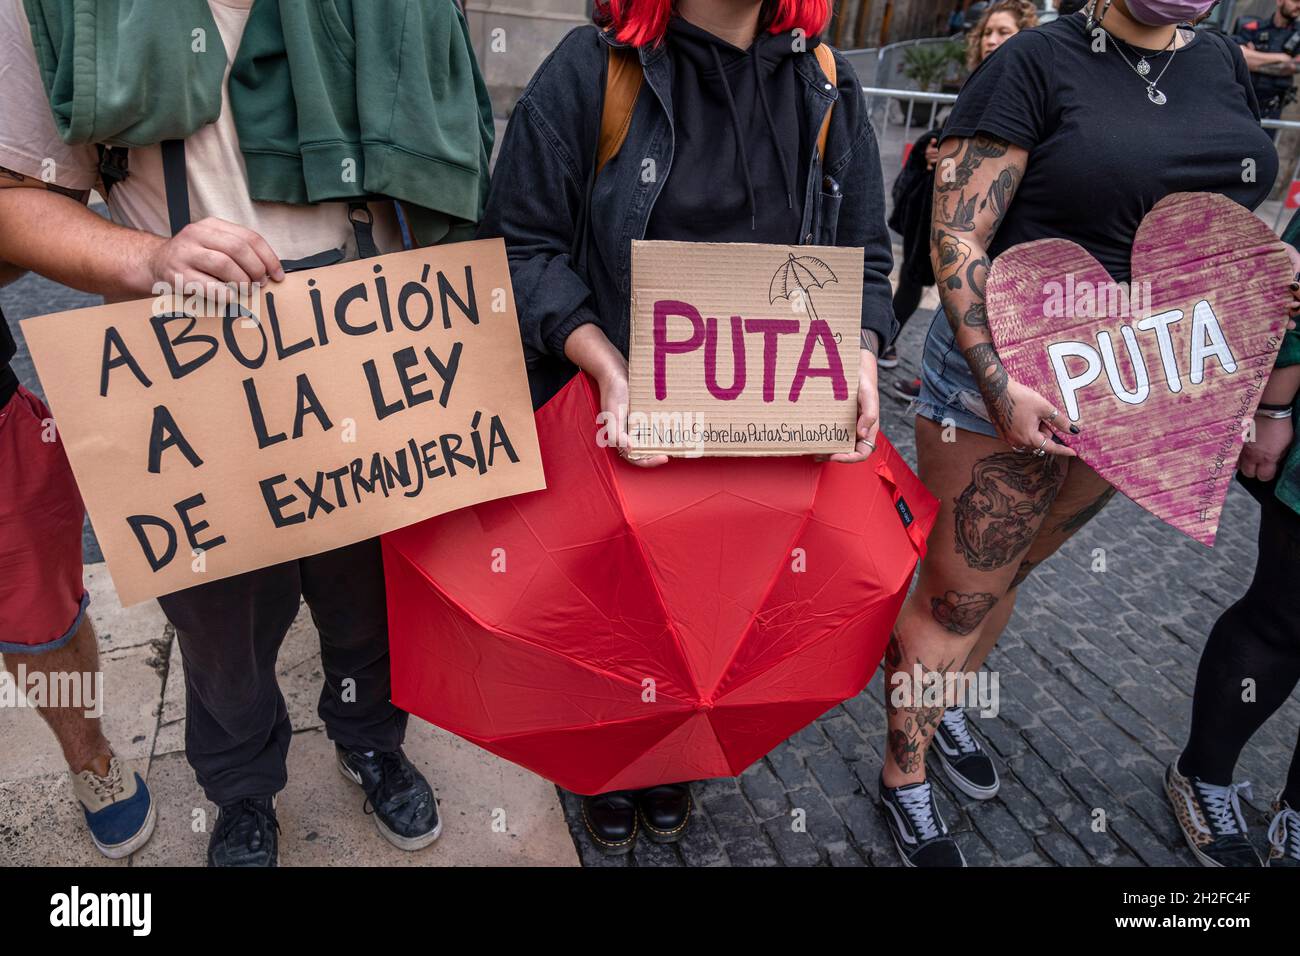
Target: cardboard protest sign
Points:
(743, 348)
(355, 399)
(1163, 373)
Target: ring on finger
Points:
(1040, 451)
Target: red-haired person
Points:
(722, 147)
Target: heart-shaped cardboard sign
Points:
(1164, 373)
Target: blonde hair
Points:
(1022, 11)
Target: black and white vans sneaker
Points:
(963, 758)
(1211, 819)
(1284, 836)
(917, 828)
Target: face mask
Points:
(1159, 13)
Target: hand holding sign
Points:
(1165, 371)
(730, 355)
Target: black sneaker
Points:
(962, 758)
(405, 809)
(917, 828)
(247, 834)
(906, 391)
(888, 358)
(1210, 818)
(611, 821)
(1284, 836)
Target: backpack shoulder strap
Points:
(113, 166)
(826, 60)
(623, 80)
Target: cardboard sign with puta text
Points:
(744, 348)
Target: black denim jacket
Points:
(539, 191)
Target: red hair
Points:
(643, 22)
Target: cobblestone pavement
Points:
(1096, 673)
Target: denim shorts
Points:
(948, 390)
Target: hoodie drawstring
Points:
(740, 139)
(771, 127)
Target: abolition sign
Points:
(338, 404)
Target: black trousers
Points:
(237, 727)
(1257, 639)
(907, 299)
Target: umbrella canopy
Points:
(628, 627)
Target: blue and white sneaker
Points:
(119, 812)
(1284, 836)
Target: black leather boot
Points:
(665, 810)
(610, 819)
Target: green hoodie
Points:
(128, 72)
(387, 101)
(333, 99)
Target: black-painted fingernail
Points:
(1295, 286)
(1074, 429)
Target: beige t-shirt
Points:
(218, 183)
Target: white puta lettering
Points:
(1206, 341)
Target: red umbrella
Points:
(627, 627)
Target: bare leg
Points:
(1080, 499)
(82, 739)
(991, 629)
(992, 503)
(1003, 526)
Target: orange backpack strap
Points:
(826, 60)
(623, 79)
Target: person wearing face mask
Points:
(1059, 136)
(1270, 47)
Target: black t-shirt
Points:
(8, 349)
(1100, 153)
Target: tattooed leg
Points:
(997, 515)
(1083, 494)
(912, 717)
(961, 613)
(1085, 514)
(992, 503)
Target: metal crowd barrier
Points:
(894, 137)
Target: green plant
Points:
(926, 64)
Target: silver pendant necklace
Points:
(1143, 67)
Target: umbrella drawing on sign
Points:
(625, 628)
(800, 274)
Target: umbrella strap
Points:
(915, 533)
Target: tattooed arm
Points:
(48, 229)
(975, 181)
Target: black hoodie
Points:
(739, 164)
